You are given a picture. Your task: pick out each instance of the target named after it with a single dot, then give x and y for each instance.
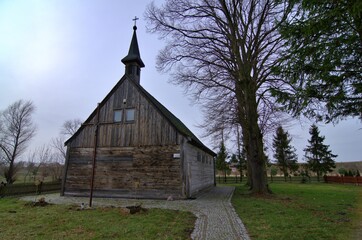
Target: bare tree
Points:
(55, 166)
(67, 130)
(58, 145)
(38, 160)
(224, 51)
(70, 127)
(30, 165)
(16, 130)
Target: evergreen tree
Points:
(284, 153)
(221, 157)
(323, 59)
(342, 171)
(319, 158)
(233, 159)
(358, 173)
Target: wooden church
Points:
(131, 146)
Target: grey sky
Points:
(64, 55)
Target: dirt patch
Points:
(40, 203)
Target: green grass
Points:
(21, 221)
(302, 211)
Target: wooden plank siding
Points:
(142, 172)
(149, 127)
(200, 169)
(140, 152)
(136, 159)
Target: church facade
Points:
(131, 146)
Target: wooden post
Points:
(94, 156)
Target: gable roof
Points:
(177, 123)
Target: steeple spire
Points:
(133, 60)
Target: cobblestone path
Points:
(216, 217)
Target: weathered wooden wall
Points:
(199, 167)
(149, 127)
(144, 172)
(135, 159)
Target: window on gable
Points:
(130, 115)
(117, 116)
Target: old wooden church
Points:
(131, 146)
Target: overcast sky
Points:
(65, 56)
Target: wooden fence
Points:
(343, 180)
(29, 188)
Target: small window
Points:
(130, 115)
(117, 117)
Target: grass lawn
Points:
(21, 221)
(302, 211)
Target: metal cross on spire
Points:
(135, 20)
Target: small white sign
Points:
(176, 155)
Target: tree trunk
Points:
(259, 180)
(10, 173)
(318, 175)
(285, 174)
(253, 142)
(241, 175)
(249, 180)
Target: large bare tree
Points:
(67, 130)
(225, 50)
(16, 130)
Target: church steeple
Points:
(133, 60)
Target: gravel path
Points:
(216, 217)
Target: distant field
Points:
(348, 166)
